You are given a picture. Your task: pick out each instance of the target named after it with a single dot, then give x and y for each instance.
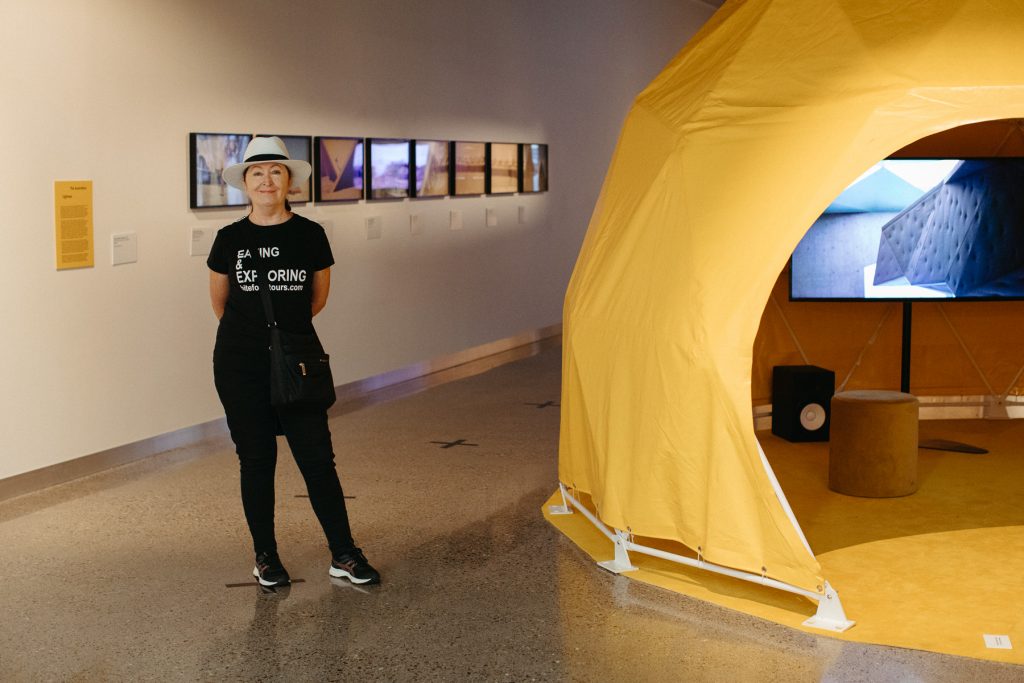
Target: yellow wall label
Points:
(73, 220)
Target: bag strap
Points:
(268, 307)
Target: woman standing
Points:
(290, 256)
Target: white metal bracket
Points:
(564, 508)
(830, 615)
(621, 563)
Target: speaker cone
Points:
(812, 417)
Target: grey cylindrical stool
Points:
(873, 445)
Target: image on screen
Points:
(534, 162)
(339, 169)
(211, 153)
(504, 168)
(919, 229)
(431, 168)
(470, 167)
(389, 169)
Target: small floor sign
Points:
(998, 642)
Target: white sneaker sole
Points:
(262, 582)
(342, 574)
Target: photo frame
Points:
(338, 168)
(431, 173)
(388, 161)
(533, 167)
(470, 162)
(502, 167)
(299, 147)
(209, 155)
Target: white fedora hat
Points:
(264, 150)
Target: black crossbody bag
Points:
(300, 370)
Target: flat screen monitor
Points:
(533, 167)
(917, 229)
(338, 167)
(470, 168)
(431, 168)
(209, 155)
(502, 167)
(389, 168)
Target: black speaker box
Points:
(801, 398)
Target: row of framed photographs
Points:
(348, 169)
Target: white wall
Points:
(108, 90)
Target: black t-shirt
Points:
(288, 255)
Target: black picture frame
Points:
(503, 167)
(430, 174)
(469, 161)
(533, 167)
(209, 155)
(338, 166)
(388, 161)
(300, 147)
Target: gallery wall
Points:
(109, 90)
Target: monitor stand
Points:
(908, 312)
(931, 444)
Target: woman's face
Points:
(267, 184)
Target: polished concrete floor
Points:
(142, 572)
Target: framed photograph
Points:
(388, 161)
(470, 168)
(533, 166)
(299, 147)
(209, 155)
(502, 168)
(431, 169)
(338, 169)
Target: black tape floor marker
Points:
(457, 442)
(257, 583)
(546, 404)
(955, 446)
(306, 495)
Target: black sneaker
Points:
(352, 565)
(269, 571)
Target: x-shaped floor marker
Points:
(306, 495)
(457, 442)
(545, 404)
(254, 582)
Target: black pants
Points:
(243, 384)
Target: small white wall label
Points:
(374, 228)
(202, 241)
(124, 248)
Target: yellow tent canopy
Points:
(723, 163)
